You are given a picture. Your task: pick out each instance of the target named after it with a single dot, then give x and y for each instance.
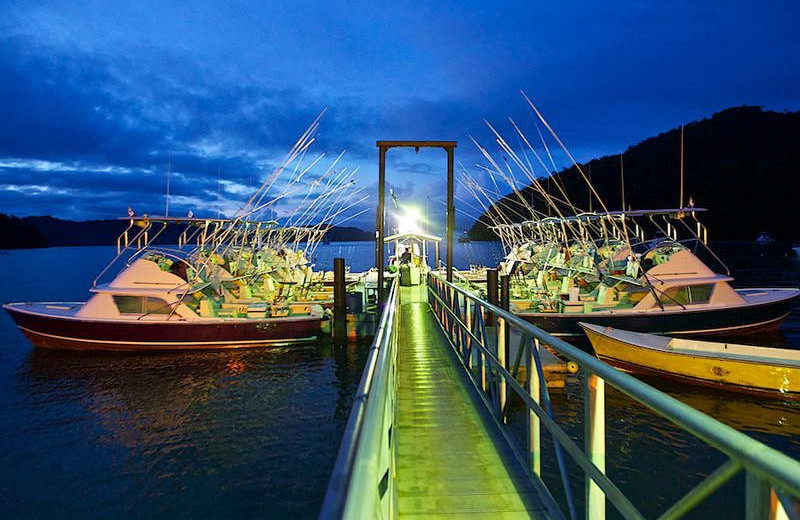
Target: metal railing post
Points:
(482, 354)
(502, 347)
(772, 479)
(534, 428)
(468, 311)
(503, 341)
(757, 497)
(594, 422)
(380, 220)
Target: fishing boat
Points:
(231, 283)
(742, 368)
(148, 306)
(659, 286)
(410, 258)
(644, 270)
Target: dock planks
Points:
(451, 461)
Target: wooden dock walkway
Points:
(452, 460)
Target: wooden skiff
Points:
(734, 367)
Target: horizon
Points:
(99, 99)
(469, 220)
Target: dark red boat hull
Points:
(743, 319)
(79, 334)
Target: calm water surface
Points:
(255, 432)
(653, 462)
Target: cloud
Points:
(97, 98)
(75, 125)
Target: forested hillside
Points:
(741, 164)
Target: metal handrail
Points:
(356, 451)
(138, 236)
(771, 475)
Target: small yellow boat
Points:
(742, 368)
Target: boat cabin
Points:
(410, 258)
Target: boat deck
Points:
(452, 458)
(759, 295)
(59, 309)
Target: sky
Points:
(98, 99)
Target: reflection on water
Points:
(650, 459)
(188, 435)
(226, 434)
(654, 462)
(237, 434)
(747, 413)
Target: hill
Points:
(742, 164)
(30, 232)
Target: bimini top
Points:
(137, 219)
(587, 217)
(418, 236)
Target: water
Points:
(653, 462)
(238, 434)
(228, 434)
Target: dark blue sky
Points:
(95, 97)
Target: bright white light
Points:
(409, 222)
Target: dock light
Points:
(409, 222)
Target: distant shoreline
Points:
(111, 244)
(47, 231)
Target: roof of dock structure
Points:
(418, 236)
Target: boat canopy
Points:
(193, 220)
(590, 217)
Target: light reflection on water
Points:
(225, 434)
(235, 434)
(653, 462)
(193, 435)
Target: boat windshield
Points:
(141, 305)
(687, 294)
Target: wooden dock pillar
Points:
(491, 293)
(339, 302)
(505, 293)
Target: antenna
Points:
(169, 170)
(681, 201)
(219, 201)
(622, 178)
(590, 182)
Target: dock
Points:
(428, 433)
(452, 458)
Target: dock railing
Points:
(362, 481)
(772, 479)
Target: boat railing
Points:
(123, 238)
(121, 250)
(172, 254)
(772, 479)
(366, 454)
